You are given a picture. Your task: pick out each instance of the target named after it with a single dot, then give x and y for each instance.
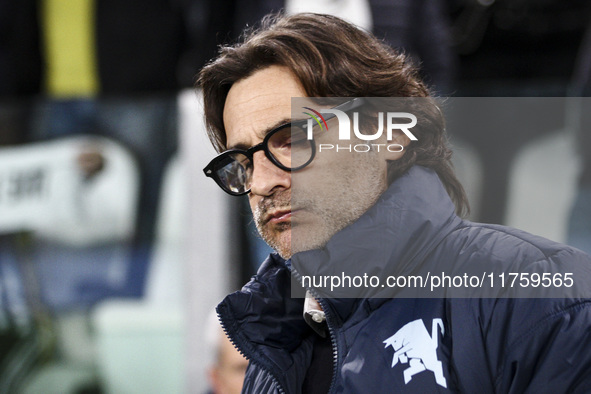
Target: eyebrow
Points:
(261, 134)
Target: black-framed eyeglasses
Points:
(286, 146)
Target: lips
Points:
(278, 216)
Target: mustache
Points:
(276, 201)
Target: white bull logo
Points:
(413, 345)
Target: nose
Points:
(267, 178)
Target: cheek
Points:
(253, 201)
(321, 176)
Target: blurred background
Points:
(115, 248)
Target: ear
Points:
(394, 148)
(214, 378)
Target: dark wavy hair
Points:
(333, 58)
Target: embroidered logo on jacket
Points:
(413, 345)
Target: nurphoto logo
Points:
(392, 121)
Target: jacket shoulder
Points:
(509, 247)
(503, 240)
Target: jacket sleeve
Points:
(550, 355)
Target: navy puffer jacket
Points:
(419, 345)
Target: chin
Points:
(282, 244)
(308, 240)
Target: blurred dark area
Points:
(510, 44)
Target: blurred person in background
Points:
(226, 372)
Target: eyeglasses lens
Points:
(235, 172)
(290, 146)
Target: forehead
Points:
(258, 102)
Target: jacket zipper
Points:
(250, 357)
(333, 340)
(331, 331)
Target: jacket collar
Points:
(391, 238)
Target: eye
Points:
(299, 137)
(281, 140)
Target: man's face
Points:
(303, 211)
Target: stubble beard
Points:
(324, 214)
(274, 234)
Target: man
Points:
(385, 211)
